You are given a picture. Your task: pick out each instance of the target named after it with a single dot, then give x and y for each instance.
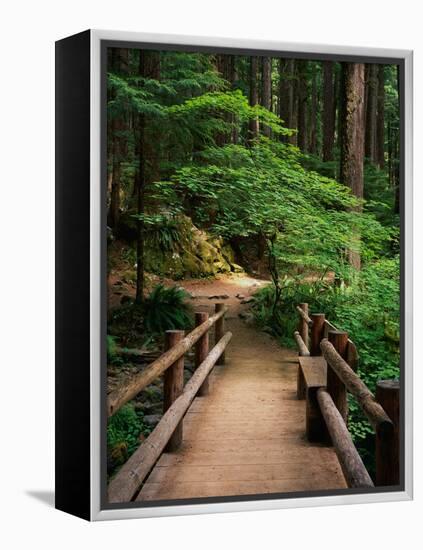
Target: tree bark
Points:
(119, 62)
(286, 93)
(302, 106)
(313, 113)
(352, 142)
(254, 123)
(329, 110)
(148, 171)
(371, 112)
(380, 130)
(266, 89)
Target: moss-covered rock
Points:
(195, 253)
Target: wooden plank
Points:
(159, 491)
(314, 370)
(286, 454)
(239, 472)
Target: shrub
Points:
(166, 309)
(123, 435)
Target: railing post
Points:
(303, 326)
(202, 349)
(317, 333)
(219, 331)
(387, 444)
(316, 430)
(336, 388)
(173, 384)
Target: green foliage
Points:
(162, 231)
(113, 357)
(123, 435)
(166, 309)
(263, 190)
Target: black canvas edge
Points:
(72, 369)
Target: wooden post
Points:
(219, 331)
(317, 332)
(303, 326)
(316, 430)
(173, 385)
(335, 387)
(387, 444)
(202, 349)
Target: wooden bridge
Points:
(256, 418)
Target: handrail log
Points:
(128, 391)
(330, 325)
(305, 317)
(371, 408)
(352, 466)
(304, 352)
(132, 474)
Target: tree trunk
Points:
(380, 130)
(232, 78)
(148, 171)
(352, 142)
(329, 110)
(302, 106)
(266, 89)
(313, 113)
(119, 63)
(286, 93)
(371, 112)
(254, 123)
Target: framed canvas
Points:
(233, 275)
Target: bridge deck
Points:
(248, 435)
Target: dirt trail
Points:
(247, 435)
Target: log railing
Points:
(327, 405)
(167, 435)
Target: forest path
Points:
(248, 435)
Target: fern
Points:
(166, 309)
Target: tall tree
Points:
(371, 111)
(148, 155)
(380, 130)
(119, 62)
(287, 95)
(352, 140)
(254, 97)
(329, 110)
(302, 105)
(266, 89)
(313, 111)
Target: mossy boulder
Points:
(195, 253)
